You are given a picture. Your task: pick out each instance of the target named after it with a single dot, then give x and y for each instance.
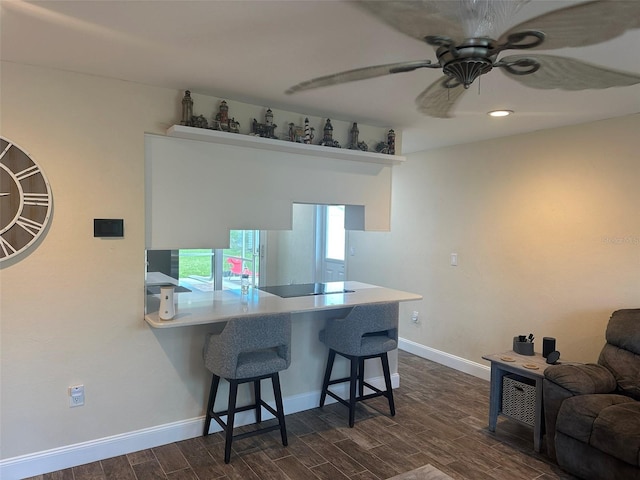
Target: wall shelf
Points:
(250, 141)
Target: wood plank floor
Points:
(441, 419)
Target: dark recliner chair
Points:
(592, 411)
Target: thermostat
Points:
(108, 227)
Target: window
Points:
(196, 264)
(209, 269)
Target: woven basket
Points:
(519, 398)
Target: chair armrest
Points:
(565, 381)
(582, 379)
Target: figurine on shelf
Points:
(234, 127)
(295, 133)
(355, 144)
(223, 113)
(300, 134)
(308, 132)
(327, 139)
(388, 148)
(266, 129)
(199, 121)
(222, 121)
(187, 109)
(391, 141)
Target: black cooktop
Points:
(304, 289)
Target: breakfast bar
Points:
(198, 308)
(310, 308)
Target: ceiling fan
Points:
(463, 34)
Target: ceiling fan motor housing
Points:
(467, 61)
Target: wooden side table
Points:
(510, 362)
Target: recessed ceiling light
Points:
(500, 113)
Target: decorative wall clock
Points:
(25, 200)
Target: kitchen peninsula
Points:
(204, 312)
(219, 306)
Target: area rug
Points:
(428, 472)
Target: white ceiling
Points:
(252, 51)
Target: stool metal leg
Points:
(327, 376)
(361, 377)
(213, 391)
(277, 393)
(258, 398)
(231, 413)
(387, 381)
(352, 390)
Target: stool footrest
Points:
(377, 393)
(271, 428)
(339, 380)
(271, 410)
(246, 408)
(341, 400)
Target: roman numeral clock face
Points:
(25, 200)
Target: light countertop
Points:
(221, 305)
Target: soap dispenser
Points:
(167, 306)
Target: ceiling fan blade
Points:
(417, 19)
(569, 74)
(455, 19)
(361, 74)
(583, 24)
(437, 100)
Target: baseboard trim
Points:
(78, 454)
(446, 359)
(38, 463)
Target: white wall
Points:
(547, 232)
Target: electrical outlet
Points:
(414, 317)
(76, 396)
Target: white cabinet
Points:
(202, 183)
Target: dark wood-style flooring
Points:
(441, 420)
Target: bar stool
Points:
(248, 350)
(368, 331)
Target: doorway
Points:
(331, 242)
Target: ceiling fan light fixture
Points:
(466, 70)
(500, 113)
(464, 62)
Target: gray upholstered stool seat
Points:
(249, 349)
(368, 331)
